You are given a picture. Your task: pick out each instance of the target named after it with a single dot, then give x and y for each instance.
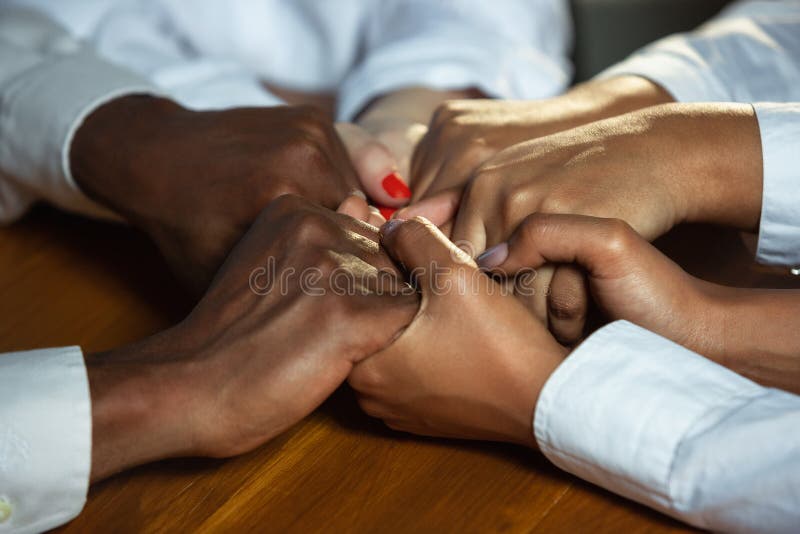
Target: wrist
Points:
(604, 98)
(110, 153)
(141, 405)
(718, 168)
(542, 367)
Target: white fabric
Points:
(650, 420)
(49, 82)
(779, 233)
(356, 48)
(45, 438)
(749, 53)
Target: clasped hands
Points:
(468, 361)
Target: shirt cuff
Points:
(617, 410)
(45, 439)
(779, 231)
(676, 67)
(434, 62)
(44, 108)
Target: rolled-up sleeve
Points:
(49, 82)
(505, 48)
(748, 53)
(648, 419)
(45, 438)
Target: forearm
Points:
(139, 413)
(758, 335)
(603, 98)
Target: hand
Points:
(464, 134)
(472, 362)
(195, 181)
(384, 137)
(302, 298)
(653, 168)
(630, 279)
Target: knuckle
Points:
(313, 122)
(619, 236)
(555, 203)
(284, 204)
(410, 231)
(311, 227)
(532, 227)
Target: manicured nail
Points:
(492, 257)
(390, 226)
(395, 187)
(358, 193)
(387, 212)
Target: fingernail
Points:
(492, 257)
(390, 226)
(395, 187)
(387, 212)
(358, 193)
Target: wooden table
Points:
(67, 281)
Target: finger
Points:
(376, 166)
(469, 227)
(355, 205)
(429, 257)
(438, 209)
(594, 243)
(425, 163)
(567, 304)
(531, 288)
(401, 140)
(376, 219)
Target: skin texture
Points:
(244, 365)
(653, 168)
(456, 371)
(195, 181)
(753, 332)
(465, 133)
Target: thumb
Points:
(376, 166)
(597, 245)
(427, 255)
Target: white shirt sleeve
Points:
(49, 82)
(643, 417)
(143, 36)
(748, 53)
(506, 48)
(779, 231)
(45, 438)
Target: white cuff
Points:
(617, 410)
(676, 67)
(779, 232)
(42, 110)
(45, 438)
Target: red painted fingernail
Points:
(386, 211)
(396, 187)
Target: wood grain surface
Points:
(68, 281)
